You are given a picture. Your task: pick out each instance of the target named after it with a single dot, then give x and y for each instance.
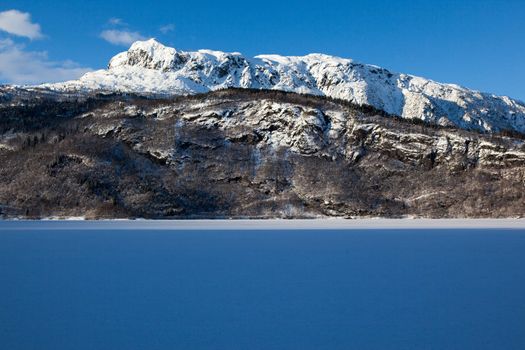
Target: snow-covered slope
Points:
(150, 67)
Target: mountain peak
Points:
(147, 45)
(146, 54)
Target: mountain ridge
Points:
(150, 67)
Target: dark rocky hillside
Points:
(244, 153)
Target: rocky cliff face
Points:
(148, 67)
(246, 153)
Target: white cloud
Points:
(18, 66)
(167, 28)
(19, 23)
(121, 37)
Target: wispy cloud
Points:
(167, 28)
(19, 66)
(121, 37)
(116, 21)
(19, 23)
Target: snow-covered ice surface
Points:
(152, 68)
(253, 224)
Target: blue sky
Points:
(477, 44)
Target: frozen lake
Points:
(73, 287)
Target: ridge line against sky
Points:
(476, 44)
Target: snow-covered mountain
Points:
(150, 67)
